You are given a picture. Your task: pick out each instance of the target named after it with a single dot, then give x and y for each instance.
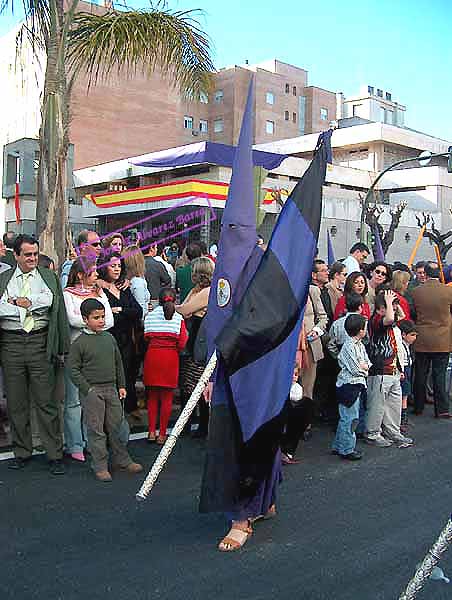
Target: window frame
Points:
(218, 120)
(267, 123)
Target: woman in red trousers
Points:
(165, 332)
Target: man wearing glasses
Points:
(35, 335)
(89, 245)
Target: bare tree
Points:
(373, 214)
(437, 238)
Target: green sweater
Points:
(184, 284)
(94, 358)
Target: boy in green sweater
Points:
(96, 369)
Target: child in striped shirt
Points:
(351, 386)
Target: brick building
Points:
(130, 117)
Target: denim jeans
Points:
(345, 440)
(72, 417)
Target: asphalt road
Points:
(345, 531)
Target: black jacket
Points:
(156, 276)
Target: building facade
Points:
(130, 197)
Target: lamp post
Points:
(424, 159)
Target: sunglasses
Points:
(95, 244)
(381, 273)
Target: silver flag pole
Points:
(430, 561)
(168, 447)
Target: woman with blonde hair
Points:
(400, 281)
(135, 270)
(113, 243)
(194, 309)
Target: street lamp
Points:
(424, 159)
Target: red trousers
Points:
(164, 396)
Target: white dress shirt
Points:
(169, 269)
(352, 265)
(41, 298)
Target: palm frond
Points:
(129, 41)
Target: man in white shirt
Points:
(358, 255)
(35, 334)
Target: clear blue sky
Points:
(403, 46)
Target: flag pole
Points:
(440, 264)
(430, 561)
(416, 246)
(170, 443)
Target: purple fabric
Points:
(330, 258)
(205, 152)
(263, 499)
(238, 229)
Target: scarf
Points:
(82, 292)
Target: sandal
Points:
(161, 439)
(235, 539)
(270, 514)
(152, 438)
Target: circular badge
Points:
(223, 292)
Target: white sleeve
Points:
(73, 311)
(109, 319)
(138, 287)
(7, 309)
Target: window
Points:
(203, 125)
(389, 117)
(324, 114)
(286, 115)
(270, 98)
(270, 127)
(12, 164)
(380, 93)
(388, 96)
(218, 125)
(294, 90)
(188, 122)
(370, 90)
(287, 88)
(219, 96)
(356, 109)
(203, 98)
(294, 117)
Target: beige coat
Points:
(433, 304)
(315, 314)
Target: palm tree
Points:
(121, 41)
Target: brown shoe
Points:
(133, 468)
(103, 476)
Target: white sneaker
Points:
(402, 439)
(378, 441)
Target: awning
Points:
(190, 189)
(204, 153)
(174, 190)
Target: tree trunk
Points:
(51, 206)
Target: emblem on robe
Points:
(223, 292)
